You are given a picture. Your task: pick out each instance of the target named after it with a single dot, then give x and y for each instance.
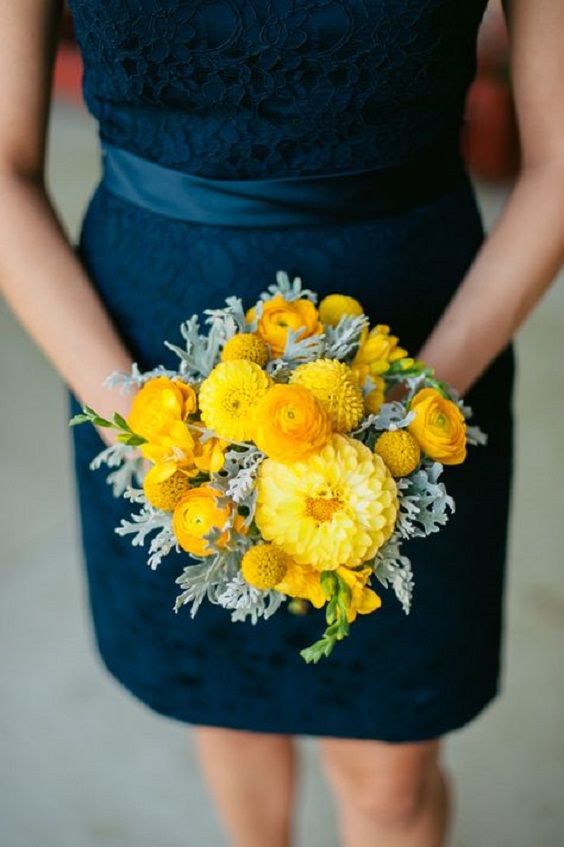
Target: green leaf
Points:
(121, 422)
(317, 651)
(329, 583)
(131, 439)
(78, 419)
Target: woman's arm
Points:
(524, 252)
(40, 275)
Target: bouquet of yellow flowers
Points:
(277, 463)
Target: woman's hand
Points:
(40, 275)
(525, 250)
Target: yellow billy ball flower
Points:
(229, 396)
(195, 515)
(264, 566)
(400, 451)
(164, 486)
(439, 427)
(246, 345)
(290, 423)
(334, 306)
(336, 508)
(336, 388)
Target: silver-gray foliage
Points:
(424, 504)
(393, 570)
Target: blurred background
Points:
(81, 763)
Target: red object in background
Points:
(67, 74)
(491, 141)
(491, 138)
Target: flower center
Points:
(322, 508)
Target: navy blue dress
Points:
(256, 89)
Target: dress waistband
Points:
(284, 201)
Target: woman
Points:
(254, 91)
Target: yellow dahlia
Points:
(248, 346)
(400, 451)
(164, 485)
(229, 395)
(334, 306)
(290, 423)
(336, 508)
(336, 388)
(264, 566)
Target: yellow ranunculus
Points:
(439, 427)
(377, 351)
(278, 316)
(195, 515)
(290, 423)
(333, 307)
(160, 402)
(363, 599)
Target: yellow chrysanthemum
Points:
(248, 346)
(337, 390)
(290, 423)
(377, 351)
(264, 566)
(400, 451)
(164, 486)
(336, 508)
(229, 395)
(334, 306)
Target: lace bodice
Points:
(261, 88)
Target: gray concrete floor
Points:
(82, 764)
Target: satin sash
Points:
(284, 201)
